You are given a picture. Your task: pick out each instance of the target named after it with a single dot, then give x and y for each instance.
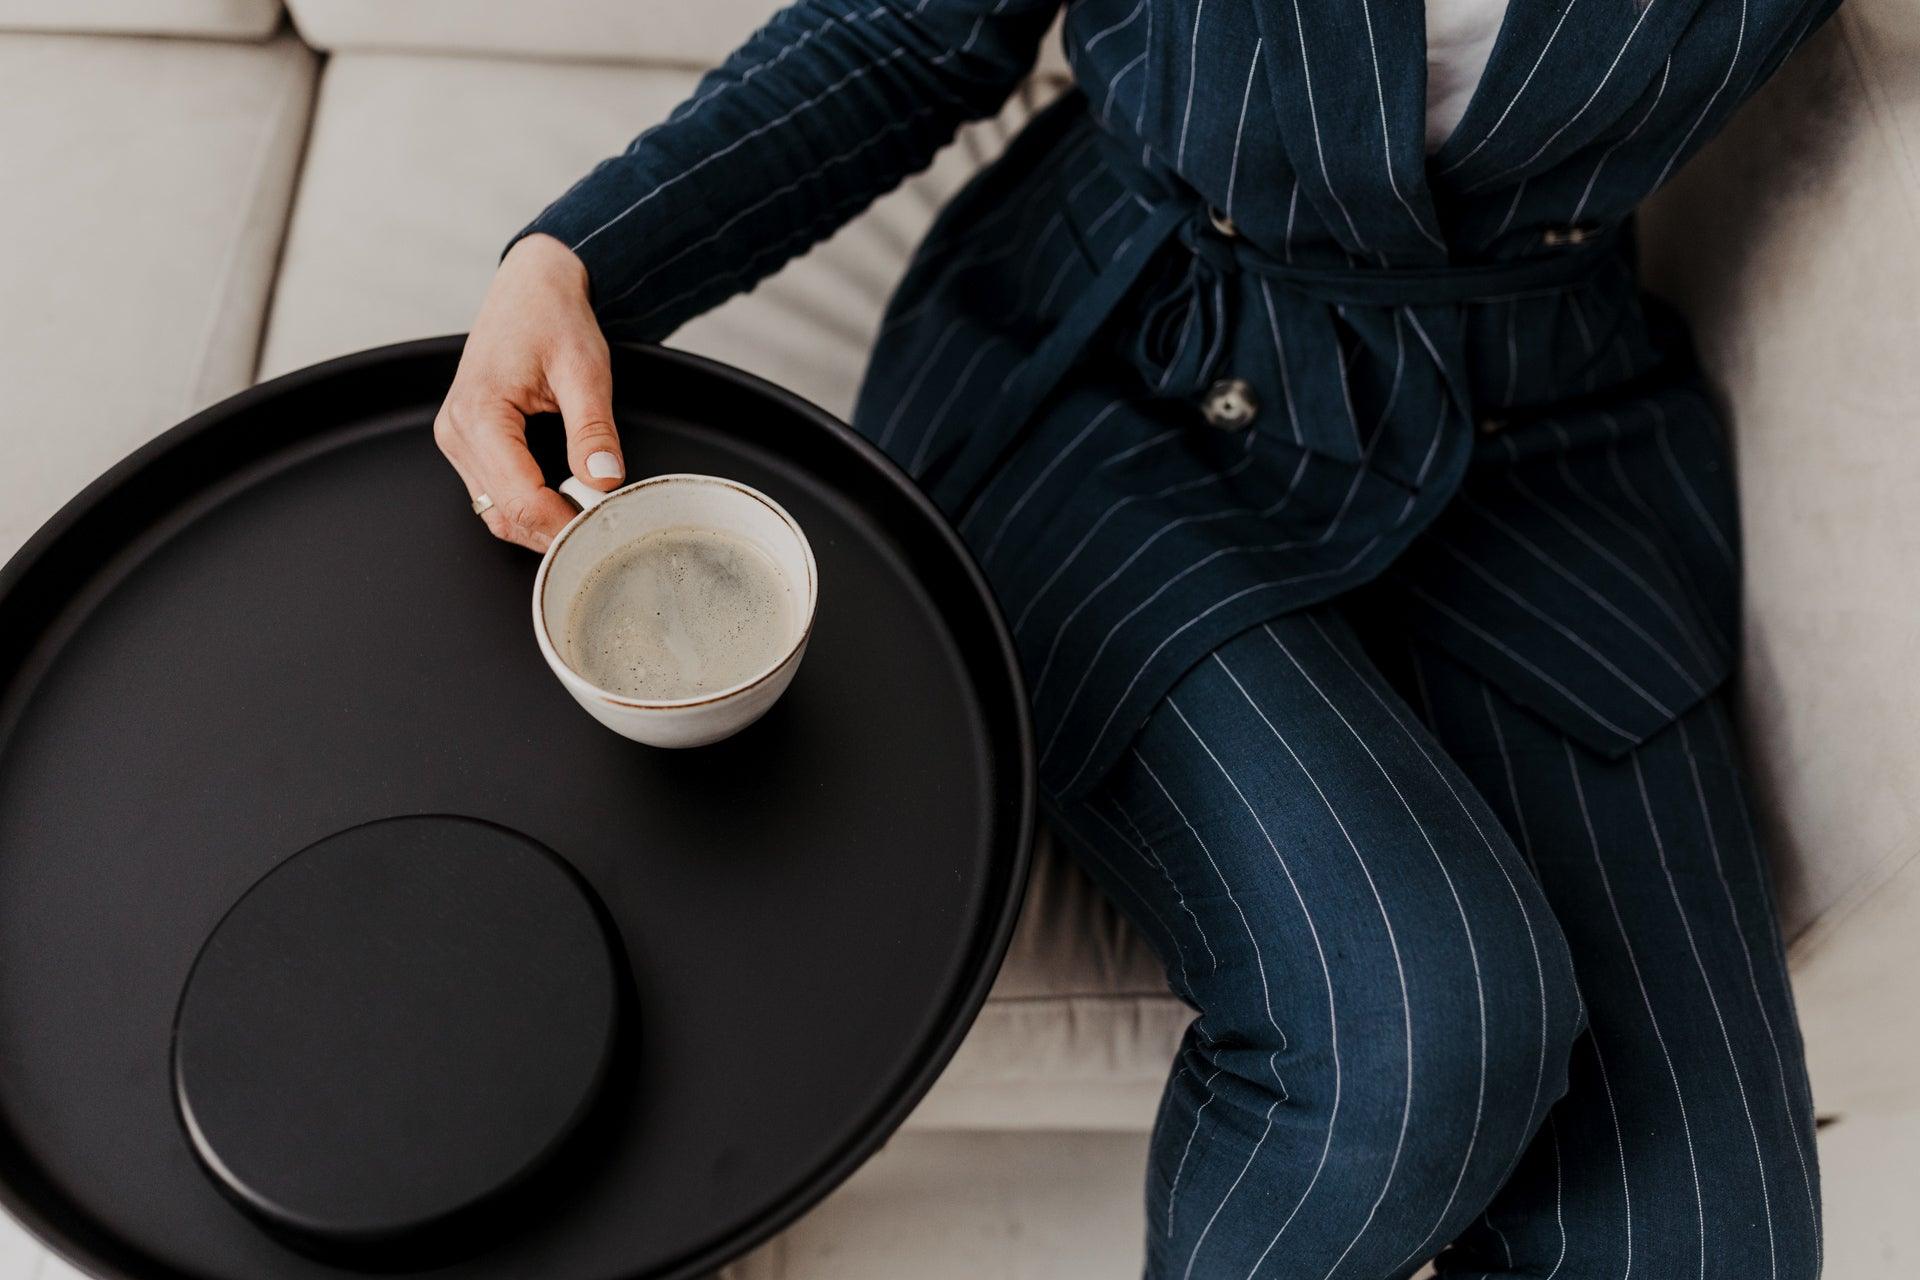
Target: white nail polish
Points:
(602, 465)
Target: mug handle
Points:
(584, 495)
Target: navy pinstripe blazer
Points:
(1217, 338)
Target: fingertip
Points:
(604, 469)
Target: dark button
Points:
(1230, 404)
(1222, 223)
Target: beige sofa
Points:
(202, 192)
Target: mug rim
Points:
(565, 669)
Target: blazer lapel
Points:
(1562, 73)
(1349, 92)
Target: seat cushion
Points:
(695, 35)
(234, 19)
(1789, 243)
(419, 169)
(147, 186)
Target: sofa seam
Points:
(224, 291)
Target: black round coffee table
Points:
(336, 939)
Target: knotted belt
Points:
(1196, 290)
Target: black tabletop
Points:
(280, 623)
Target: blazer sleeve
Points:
(830, 105)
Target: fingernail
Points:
(602, 465)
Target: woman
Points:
(1371, 547)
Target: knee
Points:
(1461, 1048)
(1432, 1026)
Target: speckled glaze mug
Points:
(609, 521)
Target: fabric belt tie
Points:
(1179, 364)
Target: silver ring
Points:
(482, 504)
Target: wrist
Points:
(541, 255)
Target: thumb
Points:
(582, 387)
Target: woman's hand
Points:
(535, 348)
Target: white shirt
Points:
(1460, 36)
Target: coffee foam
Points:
(678, 613)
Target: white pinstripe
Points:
(1173, 1191)
(1459, 907)
(1653, 1019)
(1706, 982)
(1185, 984)
(1399, 368)
(1433, 444)
(1046, 668)
(919, 376)
(1593, 544)
(1134, 451)
(1333, 1017)
(1686, 140)
(1660, 92)
(1560, 628)
(1519, 660)
(1632, 494)
(1686, 486)
(1365, 549)
(1569, 122)
(1194, 621)
(1526, 920)
(780, 250)
(1053, 464)
(1246, 96)
(1559, 1210)
(1193, 78)
(691, 107)
(1519, 190)
(1393, 945)
(1093, 849)
(1386, 142)
(778, 193)
(1759, 867)
(1106, 107)
(946, 406)
(1178, 522)
(1592, 593)
(1086, 539)
(866, 68)
(1620, 1141)
(1106, 31)
(1586, 337)
(1140, 111)
(1319, 146)
(1238, 1178)
(1259, 961)
(1487, 137)
(1280, 360)
(1180, 896)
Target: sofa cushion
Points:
(1790, 244)
(147, 189)
(418, 170)
(696, 35)
(234, 19)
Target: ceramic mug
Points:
(608, 521)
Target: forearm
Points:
(830, 105)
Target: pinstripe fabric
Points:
(1397, 882)
(1387, 890)
(1043, 359)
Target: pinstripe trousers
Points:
(1462, 984)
